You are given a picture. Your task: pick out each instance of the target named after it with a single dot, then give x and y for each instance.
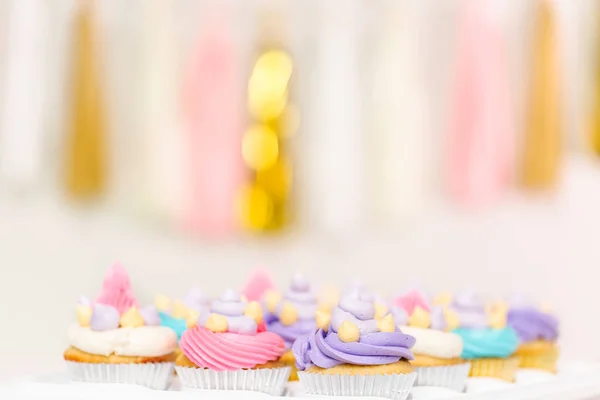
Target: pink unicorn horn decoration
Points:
(116, 290)
(257, 284)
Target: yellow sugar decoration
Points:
(180, 310)
(254, 311)
(289, 314)
(443, 299)
(192, 318)
(420, 318)
(452, 321)
(323, 319)
(216, 323)
(84, 315)
(381, 310)
(272, 300)
(498, 320)
(498, 314)
(162, 303)
(386, 324)
(348, 332)
(132, 318)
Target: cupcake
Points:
(294, 316)
(229, 349)
(116, 342)
(179, 314)
(352, 353)
(437, 351)
(537, 331)
(487, 342)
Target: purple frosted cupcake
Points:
(537, 331)
(294, 317)
(353, 354)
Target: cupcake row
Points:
(348, 342)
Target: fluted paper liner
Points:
(392, 386)
(501, 368)
(152, 375)
(267, 380)
(546, 361)
(448, 376)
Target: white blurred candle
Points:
(400, 133)
(162, 146)
(336, 149)
(22, 126)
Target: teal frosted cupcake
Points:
(487, 342)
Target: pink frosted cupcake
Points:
(229, 349)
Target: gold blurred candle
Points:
(86, 169)
(595, 117)
(542, 146)
(265, 199)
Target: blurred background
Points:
(443, 144)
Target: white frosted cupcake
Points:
(115, 342)
(437, 351)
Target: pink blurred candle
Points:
(213, 108)
(482, 126)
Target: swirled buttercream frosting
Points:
(471, 310)
(230, 338)
(230, 309)
(295, 315)
(353, 336)
(482, 343)
(529, 322)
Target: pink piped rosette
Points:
(113, 324)
(230, 350)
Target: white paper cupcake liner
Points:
(392, 386)
(449, 376)
(266, 380)
(152, 375)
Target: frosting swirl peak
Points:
(196, 299)
(471, 310)
(228, 313)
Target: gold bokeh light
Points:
(264, 203)
(260, 147)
